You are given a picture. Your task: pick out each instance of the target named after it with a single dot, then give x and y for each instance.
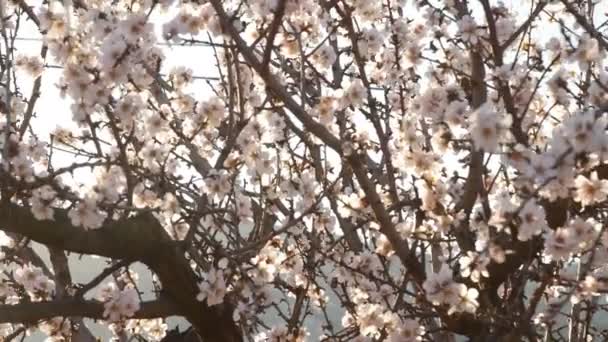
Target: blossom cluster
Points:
(119, 304)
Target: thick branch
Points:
(70, 307)
(138, 238)
(474, 183)
(130, 239)
(29, 11)
(213, 323)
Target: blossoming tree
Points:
(358, 171)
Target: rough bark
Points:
(139, 238)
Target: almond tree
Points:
(354, 170)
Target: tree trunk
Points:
(213, 323)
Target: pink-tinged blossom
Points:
(469, 32)
(474, 265)
(440, 287)
(86, 214)
(587, 52)
(213, 287)
(488, 127)
(560, 244)
(583, 131)
(122, 304)
(533, 221)
(409, 330)
(590, 190)
(467, 300)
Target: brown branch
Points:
(584, 23)
(539, 7)
(274, 29)
(179, 282)
(474, 182)
(70, 307)
(131, 238)
(503, 87)
(100, 277)
(273, 83)
(139, 238)
(28, 10)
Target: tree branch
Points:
(71, 307)
(274, 29)
(140, 238)
(131, 238)
(386, 225)
(539, 7)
